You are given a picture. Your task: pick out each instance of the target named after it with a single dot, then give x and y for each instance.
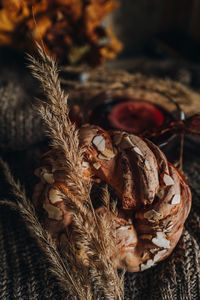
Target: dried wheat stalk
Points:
(91, 234)
(55, 114)
(73, 288)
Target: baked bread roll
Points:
(155, 198)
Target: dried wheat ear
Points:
(155, 198)
(83, 236)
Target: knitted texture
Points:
(18, 122)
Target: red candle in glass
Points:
(135, 116)
(127, 114)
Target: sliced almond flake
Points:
(145, 236)
(152, 215)
(169, 226)
(115, 150)
(96, 166)
(54, 196)
(125, 143)
(169, 223)
(48, 177)
(100, 142)
(138, 151)
(155, 227)
(154, 250)
(108, 153)
(176, 199)
(130, 248)
(148, 265)
(100, 156)
(85, 165)
(126, 227)
(168, 180)
(160, 235)
(144, 254)
(42, 170)
(129, 221)
(161, 241)
(54, 212)
(159, 255)
(167, 230)
(147, 165)
(151, 221)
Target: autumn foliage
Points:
(71, 30)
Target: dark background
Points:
(160, 37)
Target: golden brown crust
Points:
(155, 197)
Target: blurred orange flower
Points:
(70, 29)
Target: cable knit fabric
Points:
(18, 120)
(24, 269)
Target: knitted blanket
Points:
(24, 268)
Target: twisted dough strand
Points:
(155, 198)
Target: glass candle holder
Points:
(125, 112)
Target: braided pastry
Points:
(155, 198)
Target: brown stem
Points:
(181, 153)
